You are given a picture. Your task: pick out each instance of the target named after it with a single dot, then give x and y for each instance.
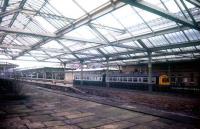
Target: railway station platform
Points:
(46, 109)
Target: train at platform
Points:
(136, 81)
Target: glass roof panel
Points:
(84, 32)
(147, 43)
(158, 41)
(188, 48)
(53, 60)
(91, 52)
(6, 20)
(3, 57)
(45, 24)
(108, 20)
(192, 34)
(27, 40)
(109, 35)
(109, 50)
(156, 2)
(147, 16)
(89, 5)
(176, 37)
(127, 19)
(66, 7)
(171, 6)
(132, 44)
(83, 46)
(52, 44)
(34, 4)
(36, 52)
(68, 56)
(27, 58)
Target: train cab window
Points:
(165, 80)
(145, 80)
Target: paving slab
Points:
(35, 125)
(54, 123)
(46, 109)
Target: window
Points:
(125, 79)
(134, 79)
(165, 80)
(130, 79)
(145, 80)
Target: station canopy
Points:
(94, 31)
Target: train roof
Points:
(132, 75)
(96, 69)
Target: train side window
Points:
(129, 79)
(145, 80)
(139, 80)
(114, 79)
(154, 79)
(118, 79)
(125, 79)
(134, 79)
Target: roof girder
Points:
(158, 11)
(3, 9)
(155, 49)
(194, 2)
(146, 56)
(104, 9)
(24, 32)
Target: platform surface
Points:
(44, 109)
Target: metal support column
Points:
(55, 75)
(64, 65)
(44, 75)
(150, 88)
(81, 73)
(107, 71)
(52, 77)
(169, 72)
(31, 76)
(4, 72)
